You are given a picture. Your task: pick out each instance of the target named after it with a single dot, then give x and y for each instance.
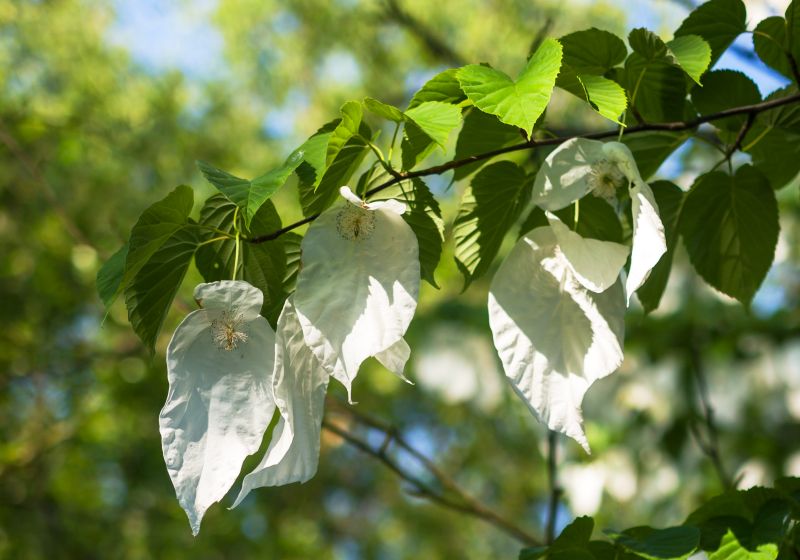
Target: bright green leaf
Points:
(315, 149)
(517, 103)
(352, 113)
(605, 96)
(647, 44)
(442, 87)
(719, 22)
(388, 112)
(489, 207)
(436, 119)
(731, 549)
(692, 53)
(730, 227)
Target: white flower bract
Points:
(358, 286)
(554, 337)
(220, 401)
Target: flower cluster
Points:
(229, 372)
(563, 327)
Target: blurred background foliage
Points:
(104, 107)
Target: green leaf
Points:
(647, 44)
(517, 103)
(669, 198)
(605, 96)
(724, 89)
(731, 549)
(389, 112)
(109, 277)
(730, 227)
(596, 219)
(155, 227)
(149, 295)
(535, 218)
(489, 207)
(656, 88)
(656, 544)
(593, 51)
(263, 264)
(719, 22)
(436, 119)
(442, 87)
(774, 141)
(770, 42)
(425, 218)
(315, 150)
(692, 53)
(481, 133)
(348, 127)
(250, 195)
(315, 200)
(416, 145)
(651, 149)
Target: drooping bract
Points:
(300, 384)
(219, 366)
(554, 336)
(358, 286)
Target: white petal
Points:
(390, 205)
(596, 264)
(218, 407)
(563, 178)
(230, 294)
(357, 288)
(649, 242)
(300, 384)
(395, 357)
(350, 196)
(554, 337)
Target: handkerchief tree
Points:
(285, 308)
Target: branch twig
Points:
(452, 495)
(552, 480)
(532, 144)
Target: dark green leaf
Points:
(416, 145)
(669, 198)
(596, 219)
(442, 87)
(155, 226)
(109, 277)
(593, 51)
(770, 42)
(250, 195)
(149, 294)
(481, 133)
(719, 22)
(535, 218)
(774, 141)
(517, 103)
(263, 264)
(489, 207)
(647, 44)
(425, 218)
(730, 227)
(315, 149)
(651, 149)
(655, 544)
(724, 89)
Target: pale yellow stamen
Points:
(605, 179)
(226, 331)
(354, 223)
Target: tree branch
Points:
(452, 496)
(552, 480)
(675, 126)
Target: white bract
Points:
(220, 401)
(580, 166)
(300, 383)
(358, 285)
(554, 336)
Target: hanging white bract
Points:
(580, 166)
(300, 384)
(358, 286)
(554, 336)
(220, 402)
